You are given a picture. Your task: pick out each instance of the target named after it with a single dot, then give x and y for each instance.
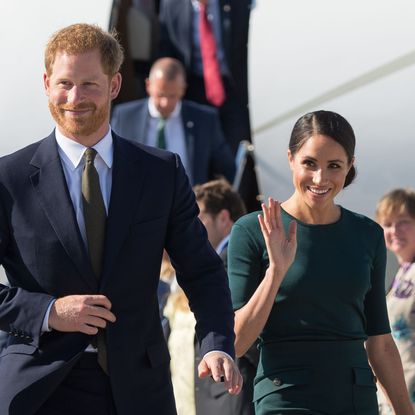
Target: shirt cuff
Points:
(45, 324)
(218, 351)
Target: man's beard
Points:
(82, 126)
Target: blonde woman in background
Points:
(396, 214)
(181, 347)
(179, 328)
(220, 206)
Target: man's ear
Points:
(147, 81)
(115, 85)
(224, 215)
(46, 83)
(225, 221)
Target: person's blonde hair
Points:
(80, 38)
(396, 202)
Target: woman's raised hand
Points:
(281, 249)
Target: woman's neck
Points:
(304, 213)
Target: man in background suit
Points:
(84, 218)
(182, 23)
(191, 130)
(220, 207)
(180, 38)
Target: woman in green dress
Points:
(307, 278)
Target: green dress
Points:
(332, 297)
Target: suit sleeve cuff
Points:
(45, 324)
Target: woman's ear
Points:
(290, 158)
(351, 163)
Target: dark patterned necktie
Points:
(95, 217)
(215, 92)
(161, 136)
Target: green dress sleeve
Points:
(375, 309)
(247, 259)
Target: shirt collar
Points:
(74, 151)
(222, 244)
(210, 3)
(405, 266)
(155, 114)
(196, 4)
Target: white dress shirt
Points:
(223, 244)
(71, 154)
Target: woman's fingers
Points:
(263, 226)
(271, 214)
(265, 213)
(278, 218)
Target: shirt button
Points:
(277, 382)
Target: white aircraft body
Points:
(356, 58)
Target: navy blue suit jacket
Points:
(176, 38)
(152, 206)
(209, 154)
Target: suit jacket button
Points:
(277, 382)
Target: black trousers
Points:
(85, 391)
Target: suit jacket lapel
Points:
(142, 123)
(50, 184)
(188, 128)
(127, 180)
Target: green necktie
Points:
(161, 137)
(95, 217)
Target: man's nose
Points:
(164, 102)
(75, 95)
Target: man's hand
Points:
(220, 365)
(82, 313)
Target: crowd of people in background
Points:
(210, 40)
(197, 106)
(314, 330)
(182, 37)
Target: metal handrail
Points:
(245, 150)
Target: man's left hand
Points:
(221, 366)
